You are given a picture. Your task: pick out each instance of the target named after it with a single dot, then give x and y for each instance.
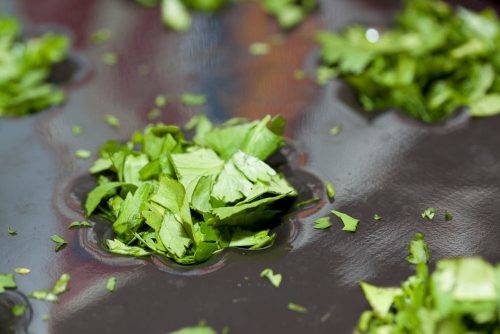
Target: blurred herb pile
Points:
(189, 199)
(434, 60)
(25, 68)
(176, 13)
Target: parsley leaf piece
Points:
(330, 190)
(200, 329)
(418, 250)
(336, 130)
(59, 242)
(447, 215)
(79, 224)
(193, 99)
(322, 223)
(161, 101)
(154, 113)
(118, 247)
(297, 308)
(45, 317)
(59, 287)
(22, 271)
(76, 130)
(259, 49)
(100, 36)
(18, 310)
(112, 121)
(109, 58)
(7, 281)
(299, 75)
(11, 231)
(307, 202)
(289, 13)
(377, 217)
(111, 283)
(350, 223)
(83, 154)
(380, 299)
(61, 284)
(429, 213)
(275, 279)
(175, 15)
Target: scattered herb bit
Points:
(429, 214)
(11, 231)
(26, 68)
(111, 283)
(83, 154)
(461, 294)
(77, 130)
(101, 36)
(189, 199)
(109, 58)
(80, 224)
(336, 130)
(447, 215)
(297, 308)
(275, 279)
(418, 250)
(161, 101)
(289, 13)
(259, 49)
(193, 99)
(112, 121)
(18, 310)
(154, 113)
(299, 75)
(22, 271)
(60, 242)
(350, 223)
(433, 61)
(7, 281)
(307, 202)
(377, 217)
(59, 287)
(322, 223)
(45, 317)
(330, 190)
(202, 328)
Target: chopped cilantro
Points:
(202, 328)
(45, 317)
(154, 113)
(59, 287)
(18, 310)
(83, 154)
(289, 13)
(297, 308)
(275, 279)
(76, 130)
(112, 121)
(7, 281)
(350, 223)
(299, 75)
(259, 49)
(59, 242)
(193, 99)
(11, 231)
(26, 68)
(434, 60)
(190, 199)
(79, 224)
(101, 36)
(307, 202)
(418, 250)
(111, 283)
(330, 190)
(22, 271)
(429, 213)
(447, 215)
(336, 130)
(161, 101)
(109, 58)
(322, 223)
(377, 217)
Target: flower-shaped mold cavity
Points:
(10, 323)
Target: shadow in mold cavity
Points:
(73, 68)
(9, 323)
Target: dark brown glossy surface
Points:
(388, 164)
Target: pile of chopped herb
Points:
(289, 13)
(189, 199)
(25, 68)
(461, 296)
(434, 60)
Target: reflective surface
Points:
(386, 164)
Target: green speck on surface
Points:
(377, 217)
(59, 242)
(275, 279)
(154, 113)
(109, 58)
(45, 317)
(330, 190)
(429, 213)
(322, 223)
(18, 310)
(100, 36)
(83, 154)
(336, 130)
(79, 224)
(7, 281)
(297, 308)
(189, 99)
(22, 271)
(111, 284)
(350, 223)
(447, 215)
(76, 130)
(299, 75)
(161, 101)
(259, 48)
(112, 120)
(11, 231)
(418, 252)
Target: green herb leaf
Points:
(7, 281)
(110, 58)
(11, 231)
(259, 49)
(275, 279)
(18, 310)
(297, 308)
(59, 242)
(193, 99)
(350, 223)
(336, 130)
(380, 299)
(61, 284)
(322, 223)
(100, 36)
(111, 283)
(79, 224)
(429, 213)
(377, 217)
(447, 215)
(200, 329)
(83, 154)
(112, 121)
(330, 190)
(22, 271)
(161, 101)
(76, 130)
(418, 250)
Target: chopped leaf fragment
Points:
(193, 99)
(76, 130)
(202, 328)
(45, 317)
(11, 231)
(18, 310)
(111, 283)
(259, 49)
(112, 121)
(336, 130)
(161, 101)
(59, 242)
(330, 190)
(275, 279)
(297, 308)
(350, 223)
(22, 271)
(447, 215)
(101, 36)
(289, 13)
(79, 224)
(109, 58)
(429, 213)
(322, 223)
(377, 217)
(418, 250)
(83, 154)
(299, 75)
(7, 281)
(59, 287)
(154, 113)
